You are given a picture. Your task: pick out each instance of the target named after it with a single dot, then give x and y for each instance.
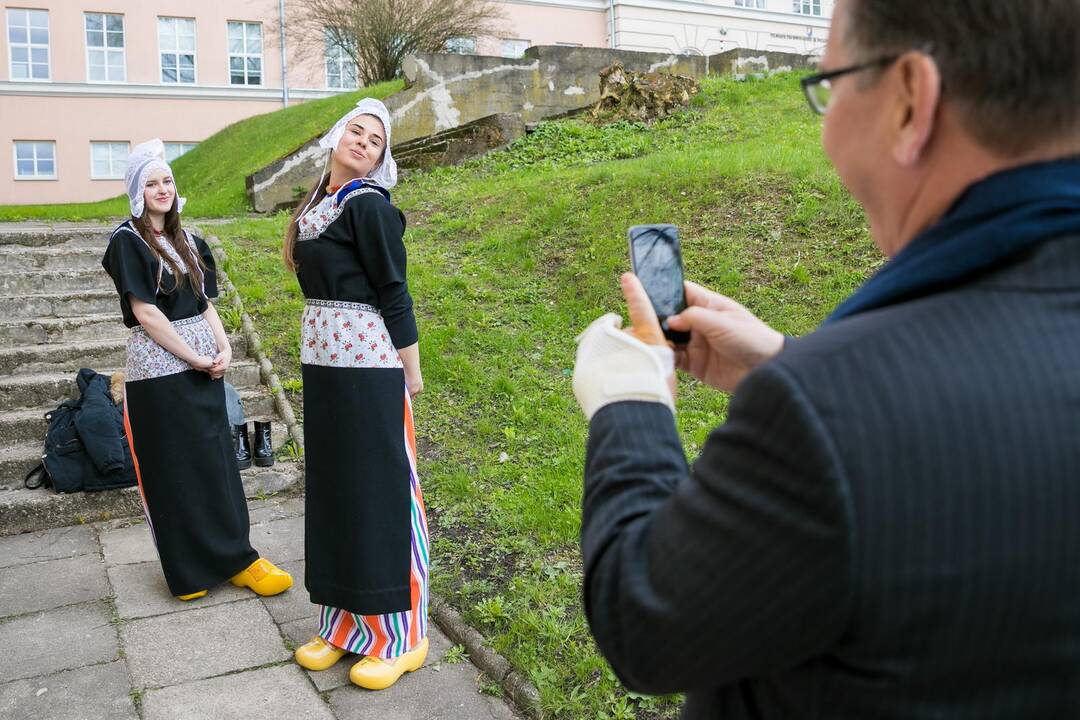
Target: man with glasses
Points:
(888, 523)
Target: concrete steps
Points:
(58, 305)
(59, 313)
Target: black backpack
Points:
(66, 464)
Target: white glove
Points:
(613, 365)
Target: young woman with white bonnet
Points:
(174, 407)
(366, 531)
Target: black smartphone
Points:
(657, 261)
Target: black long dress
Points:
(177, 424)
(366, 532)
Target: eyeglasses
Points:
(818, 88)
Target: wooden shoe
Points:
(375, 673)
(318, 654)
(263, 577)
(192, 596)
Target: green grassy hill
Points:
(509, 258)
(212, 175)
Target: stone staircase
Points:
(59, 313)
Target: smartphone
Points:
(657, 261)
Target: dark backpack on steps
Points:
(85, 445)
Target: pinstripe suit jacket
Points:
(887, 525)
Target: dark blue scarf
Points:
(994, 220)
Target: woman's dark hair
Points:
(313, 197)
(175, 236)
(1011, 68)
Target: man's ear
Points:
(918, 86)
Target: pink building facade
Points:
(82, 82)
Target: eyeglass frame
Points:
(812, 81)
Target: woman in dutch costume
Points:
(366, 531)
(174, 407)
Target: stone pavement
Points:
(89, 631)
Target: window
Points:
(806, 7)
(514, 47)
(245, 53)
(104, 47)
(757, 4)
(461, 46)
(174, 150)
(340, 69)
(108, 160)
(176, 43)
(35, 160)
(28, 43)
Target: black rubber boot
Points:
(264, 452)
(242, 446)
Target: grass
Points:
(509, 258)
(212, 175)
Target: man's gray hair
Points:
(1011, 68)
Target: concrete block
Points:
(128, 545)
(47, 545)
(279, 541)
(141, 592)
(294, 603)
(51, 584)
(61, 639)
(281, 692)
(299, 632)
(200, 643)
(97, 691)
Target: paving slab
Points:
(47, 545)
(436, 691)
(127, 545)
(299, 632)
(51, 584)
(294, 603)
(279, 541)
(200, 643)
(141, 592)
(97, 691)
(61, 639)
(261, 511)
(278, 692)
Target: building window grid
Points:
(245, 53)
(754, 4)
(340, 69)
(176, 48)
(461, 46)
(514, 47)
(108, 160)
(34, 159)
(28, 44)
(105, 61)
(174, 150)
(806, 7)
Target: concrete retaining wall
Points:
(446, 91)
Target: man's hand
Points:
(727, 341)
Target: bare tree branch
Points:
(377, 35)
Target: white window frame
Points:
(106, 49)
(528, 44)
(29, 46)
(190, 146)
(245, 55)
(35, 177)
(752, 4)
(462, 38)
(118, 173)
(194, 53)
(328, 44)
(807, 7)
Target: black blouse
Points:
(360, 257)
(134, 271)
